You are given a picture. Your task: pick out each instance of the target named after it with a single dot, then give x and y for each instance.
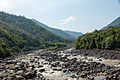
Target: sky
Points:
(74, 15)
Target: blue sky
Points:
(75, 15)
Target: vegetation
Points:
(116, 22)
(55, 31)
(18, 33)
(104, 39)
(74, 34)
(52, 46)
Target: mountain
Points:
(74, 34)
(13, 39)
(116, 22)
(18, 33)
(103, 39)
(58, 32)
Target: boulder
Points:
(42, 70)
(30, 75)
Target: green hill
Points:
(18, 33)
(116, 22)
(104, 39)
(74, 34)
(58, 32)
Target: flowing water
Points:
(54, 73)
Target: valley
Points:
(31, 50)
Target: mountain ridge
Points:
(73, 33)
(18, 33)
(54, 30)
(115, 22)
(63, 33)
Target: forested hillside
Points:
(104, 39)
(74, 34)
(18, 33)
(55, 31)
(116, 22)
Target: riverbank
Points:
(63, 64)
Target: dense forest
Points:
(18, 33)
(103, 39)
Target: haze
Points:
(75, 15)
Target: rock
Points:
(5, 78)
(90, 78)
(100, 59)
(55, 69)
(30, 75)
(9, 62)
(32, 67)
(41, 77)
(90, 59)
(99, 78)
(83, 75)
(73, 76)
(64, 70)
(19, 72)
(45, 63)
(19, 77)
(40, 66)
(31, 61)
(26, 65)
(52, 72)
(42, 70)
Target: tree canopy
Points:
(103, 39)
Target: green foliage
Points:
(11, 53)
(55, 31)
(74, 34)
(18, 33)
(52, 46)
(104, 39)
(116, 22)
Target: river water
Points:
(52, 74)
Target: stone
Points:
(64, 70)
(30, 75)
(83, 75)
(40, 66)
(42, 70)
(19, 77)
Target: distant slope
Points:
(116, 22)
(18, 33)
(74, 34)
(103, 39)
(29, 26)
(55, 31)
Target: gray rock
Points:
(42, 70)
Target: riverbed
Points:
(65, 64)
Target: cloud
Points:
(69, 19)
(5, 5)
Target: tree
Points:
(104, 39)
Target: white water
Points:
(59, 75)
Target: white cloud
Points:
(69, 19)
(5, 5)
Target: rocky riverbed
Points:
(63, 64)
